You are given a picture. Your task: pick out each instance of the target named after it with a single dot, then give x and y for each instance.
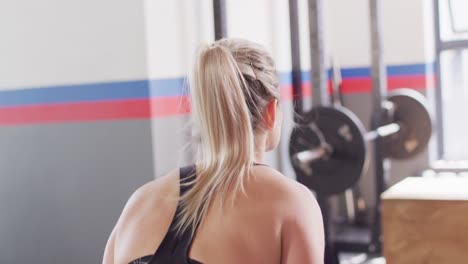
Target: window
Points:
(452, 66)
(455, 103)
(459, 20)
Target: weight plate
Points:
(411, 113)
(344, 133)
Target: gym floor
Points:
(94, 103)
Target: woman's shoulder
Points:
(151, 198)
(147, 209)
(298, 211)
(285, 196)
(162, 189)
(279, 185)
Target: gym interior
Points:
(94, 103)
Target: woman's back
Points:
(241, 213)
(270, 223)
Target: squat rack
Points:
(320, 98)
(220, 19)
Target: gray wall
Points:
(171, 142)
(63, 186)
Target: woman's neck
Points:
(260, 149)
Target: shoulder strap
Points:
(187, 174)
(174, 248)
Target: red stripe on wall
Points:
(94, 111)
(307, 89)
(286, 91)
(357, 85)
(364, 85)
(73, 112)
(170, 106)
(418, 82)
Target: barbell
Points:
(328, 147)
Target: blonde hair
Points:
(232, 82)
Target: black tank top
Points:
(174, 249)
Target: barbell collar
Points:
(383, 131)
(310, 155)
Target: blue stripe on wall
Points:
(394, 70)
(285, 78)
(76, 93)
(168, 87)
(124, 90)
(410, 69)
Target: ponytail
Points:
(225, 108)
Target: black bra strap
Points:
(187, 174)
(174, 247)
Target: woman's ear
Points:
(270, 113)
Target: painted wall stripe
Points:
(95, 111)
(364, 85)
(123, 90)
(170, 106)
(76, 112)
(168, 87)
(410, 69)
(143, 99)
(159, 107)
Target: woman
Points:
(228, 208)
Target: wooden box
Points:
(425, 220)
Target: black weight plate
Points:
(343, 131)
(411, 113)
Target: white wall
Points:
(54, 42)
(404, 29)
(348, 38)
(174, 31)
(267, 22)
